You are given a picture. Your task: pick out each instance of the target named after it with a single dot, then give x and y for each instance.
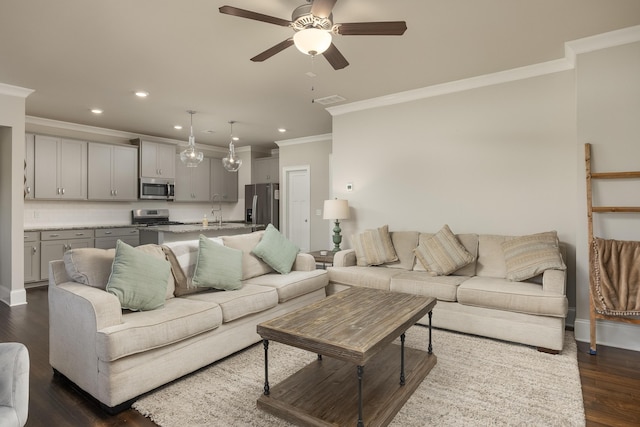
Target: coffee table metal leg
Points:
(265, 343)
(430, 349)
(360, 416)
(402, 359)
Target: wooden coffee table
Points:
(362, 378)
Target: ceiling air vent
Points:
(327, 100)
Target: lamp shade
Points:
(336, 209)
(312, 41)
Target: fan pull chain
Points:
(313, 76)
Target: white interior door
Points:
(297, 207)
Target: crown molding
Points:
(16, 91)
(304, 140)
(572, 49)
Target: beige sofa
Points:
(475, 299)
(116, 355)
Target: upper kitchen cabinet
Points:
(29, 159)
(157, 160)
(192, 184)
(223, 182)
(265, 170)
(113, 172)
(60, 168)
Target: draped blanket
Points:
(615, 277)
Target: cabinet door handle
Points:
(54, 235)
(115, 192)
(28, 190)
(58, 189)
(63, 191)
(34, 249)
(107, 232)
(79, 234)
(133, 231)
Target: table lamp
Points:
(336, 209)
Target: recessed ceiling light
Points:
(235, 138)
(282, 130)
(177, 127)
(96, 111)
(142, 93)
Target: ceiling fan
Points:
(313, 26)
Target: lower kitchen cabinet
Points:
(31, 256)
(53, 245)
(106, 238)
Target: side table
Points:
(325, 259)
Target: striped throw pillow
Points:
(374, 247)
(442, 253)
(528, 256)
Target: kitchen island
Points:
(160, 234)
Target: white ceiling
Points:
(81, 54)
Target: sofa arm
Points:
(344, 258)
(304, 262)
(14, 384)
(554, 281)
(76, 313)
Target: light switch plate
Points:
(350, 186)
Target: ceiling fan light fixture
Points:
(190, 156)
(232, 162)
(312, 41)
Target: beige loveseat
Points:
(116, 355)
(476, 299)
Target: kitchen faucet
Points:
(214, 210)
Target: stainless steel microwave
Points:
(157, 189)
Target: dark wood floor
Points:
(610, 380)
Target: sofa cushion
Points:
(490, 261)
(444, 288)
(368, 277)
(404, 242)
(138, 279)
(294, 284)
(520, 297)
(443, 253)
(217, 267)
(249, 299)
(252, 266)
(179, 319)
(276, 250)
(374, 247)
(89, 266)
(528, 256)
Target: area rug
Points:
(476, 382)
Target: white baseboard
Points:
(613, 334)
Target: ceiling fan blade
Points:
(390, 28)
(273, 50)
(335, 58)
(322, 8)
(242, 13)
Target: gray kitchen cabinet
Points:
(113, 172)
(157, 160)
(192, 184)
(265, 170)
(223, 182)
(29, 159)
(31, 256)
(60, 168)
(106, 238)
(53, 245)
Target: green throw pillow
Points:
(276, 250)
(138, 279)
(217, 266)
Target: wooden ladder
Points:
(593, 315)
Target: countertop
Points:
(190, 228)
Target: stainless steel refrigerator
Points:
(262, 204)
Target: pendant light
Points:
(232, 162)
(190, 156)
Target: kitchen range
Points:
(152, 217)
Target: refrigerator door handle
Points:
(254, 210)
